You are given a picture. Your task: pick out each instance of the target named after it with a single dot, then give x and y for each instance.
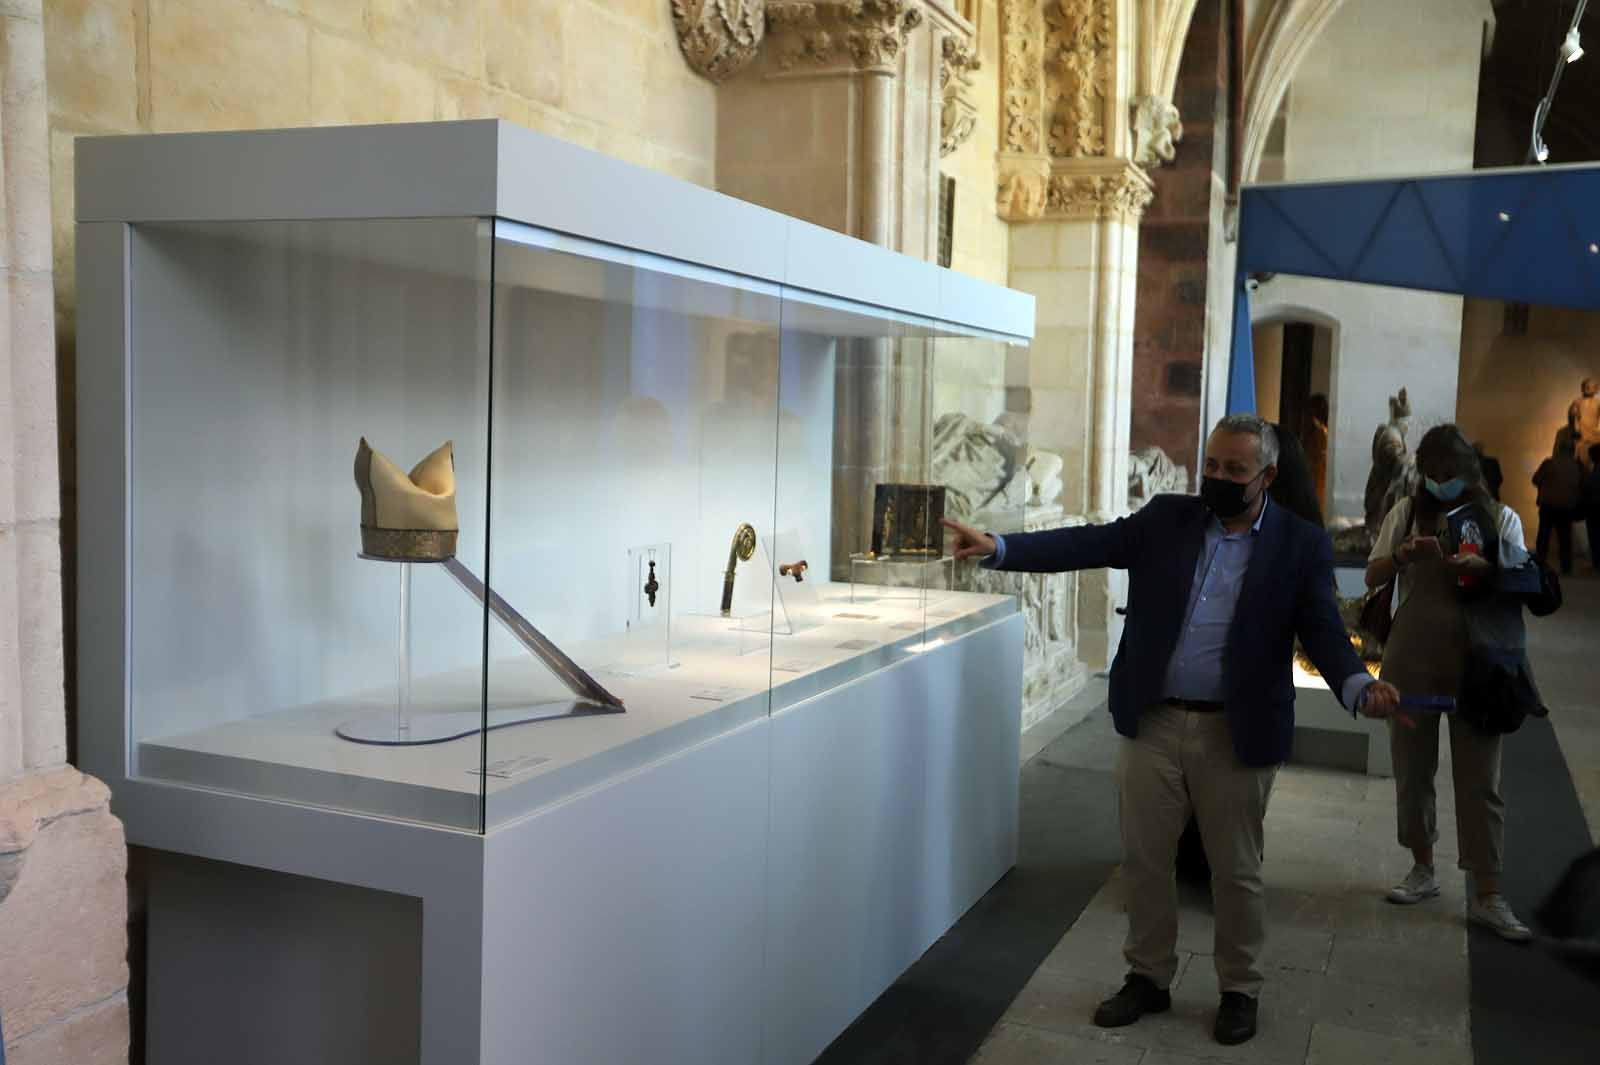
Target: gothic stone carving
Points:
(1157, 128)
(958, 61)
(1151, 473)
(719, 37)
(1121, 193)
(863, 34)
(1021, 76)
(1024, 187)
(990, 476)
(1077, 57)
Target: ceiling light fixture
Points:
(1505, 216)
(1571, 48)
(1571, 51)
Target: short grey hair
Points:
(1266, 436)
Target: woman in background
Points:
(1426, 655)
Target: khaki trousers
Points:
(1181, 762)
(1480, 809)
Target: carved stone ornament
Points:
(1157, 128)
(1121, 192)
(719, 37)
(867, 35)
(1021, 77)
(1024, 188)
(1077, 61)
(958, 61)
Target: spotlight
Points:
(1505, 216)
(1571, 50)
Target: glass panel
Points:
(635, 417)
(270, 652)
(992, 478)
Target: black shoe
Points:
(1139, 996)
(1236, 1019)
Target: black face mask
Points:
(1226, 499)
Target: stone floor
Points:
(1352, 980)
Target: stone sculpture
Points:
(1585, 416)
(984, 467)
(1394, 468)
(1151, 473)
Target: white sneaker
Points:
(1494, 913)
(1419, 884)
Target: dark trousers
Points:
(1594, 535)
(1560, 520)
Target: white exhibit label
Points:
(716, 695)
(507, 768)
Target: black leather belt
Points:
(1195, 706)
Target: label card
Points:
(798, 665)
(508, 768)
(855, 645)
(716, 695)
(857, 617)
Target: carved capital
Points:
(1098, 189)
(811, 36)
(1157, 128)
(958, 60)
(719, 37)
(1024, 188)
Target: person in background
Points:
(1591, 506)
(1314, 438)
(1426, 655)
(1492, 477)
(1559, 479)
(1295, 487)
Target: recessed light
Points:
(1594, 249)
(1505, 216)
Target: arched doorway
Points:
(1295, 356)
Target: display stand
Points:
(796, 606)
(875, 577)
(403, 729)
(647, 627)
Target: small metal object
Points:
(652, 586)
(796, 570)
(741, 550)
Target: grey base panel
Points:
(1327, 735)
(259, 968)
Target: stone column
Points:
(1075, 197)
(63, 902)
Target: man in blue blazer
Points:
(1219, 586)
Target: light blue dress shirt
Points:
(1195, 670)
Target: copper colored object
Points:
(794, 569)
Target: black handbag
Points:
(1547, 600)
(1497, 692)
(1376, 617)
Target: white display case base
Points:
(738, 902)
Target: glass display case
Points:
(443, 519)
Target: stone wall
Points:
(63, 971)
(980, 244)
(1171, 322)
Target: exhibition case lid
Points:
(492, 168)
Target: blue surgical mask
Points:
(1448, 492)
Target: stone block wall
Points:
(980, 242)
(63, 968)
(1172, 332)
